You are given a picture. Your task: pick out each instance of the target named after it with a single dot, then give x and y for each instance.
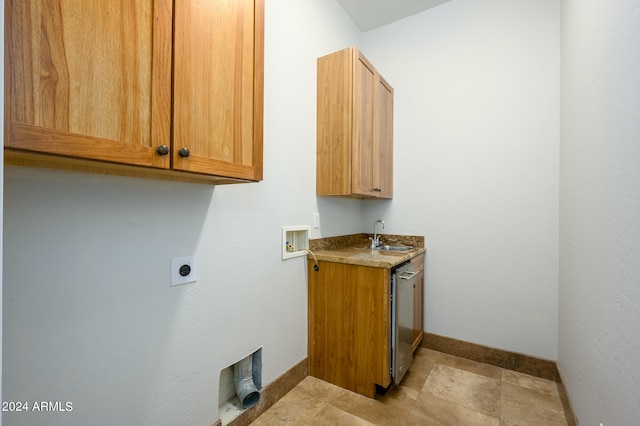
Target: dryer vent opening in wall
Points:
(240, 384)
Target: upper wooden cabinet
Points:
(354, 128)
(114, 85)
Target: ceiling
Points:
(370, 14)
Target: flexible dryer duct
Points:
(243, 381)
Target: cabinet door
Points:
(418, 309)
(383, 140)
(350, 326)
(218, 86)
(363, 155)
(90, 79)
(372, 154)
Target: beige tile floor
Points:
(438, 389)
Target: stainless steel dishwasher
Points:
(401, 320)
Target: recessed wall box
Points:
(295, 241)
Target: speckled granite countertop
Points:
(352, 249)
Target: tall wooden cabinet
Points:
(354, 128)
(156, 88)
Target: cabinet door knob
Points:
(377, 189)
(162, 150)
(184, 152)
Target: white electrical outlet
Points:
(183, 270)
(316, 220)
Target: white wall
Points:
(599, 324)
(476, 164)
(89, 314)
(1, 199)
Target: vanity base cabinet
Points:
(350, 326)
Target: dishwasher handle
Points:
(407, 275)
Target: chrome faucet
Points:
(375, 241)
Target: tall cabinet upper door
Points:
(218, 87)
(363, 127)
(372, 155)
(90, 79)
(383, 139)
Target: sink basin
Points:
(391, 248)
